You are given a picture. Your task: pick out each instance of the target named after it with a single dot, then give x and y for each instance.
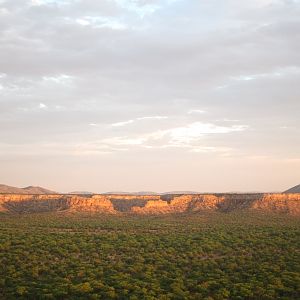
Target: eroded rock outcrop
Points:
(152, 204)
(97, 203)
(50, 203)
(282, 203)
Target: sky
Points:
(150, 95)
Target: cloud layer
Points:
(123, 88)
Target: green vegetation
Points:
(204, 256)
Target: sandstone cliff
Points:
(283, 203)
(151, 204)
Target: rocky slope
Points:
(293, 190)
(150, 204)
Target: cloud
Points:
(196, 111)
(119, 124)
(196, 130)
(152, 118)
(120, 141)
(141, 8)
(181, 137)
(56, 149)
(205, 149)
(43, 106)
(59, 79)
(275, 74)
(149, 80)
(101, 22)
(124, 123)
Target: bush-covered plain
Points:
(200, 256)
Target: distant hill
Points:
(115, 193)
(145, 193)
(6, 189)
(81, 193)
(293, 190)
(180, 193)
(150, 193)
(130, 193)
(37, 190)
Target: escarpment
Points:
(53, 203)
(284, 203)
(151, 204)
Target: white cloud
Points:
(205, 149)
(182, 137)
(49, 2)
(59, 79)
(152, 118)
(120, 124)
(4, 11)
(43, 106)
(141, 8)
(124, 123)
(276, 74)
(228, 120)
(196, 130)
(281, 72)
(83, 22)
(120, 141)
(56, 149)
(196, 111)
(100, 22)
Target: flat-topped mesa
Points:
(22, 197)
(98, 203)
(32, 203)
(151, 204)
(278, 203)
(52, 203)
(153, 207)
(195, 203)
(283, 203)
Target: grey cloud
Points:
(110, 62)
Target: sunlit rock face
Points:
(152, 204)
(284, 203)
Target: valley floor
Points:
(239, 255)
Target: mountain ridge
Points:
(7, 189)
(295, 189)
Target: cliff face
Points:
(283, 203)
(152, 204)
(49, 203)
